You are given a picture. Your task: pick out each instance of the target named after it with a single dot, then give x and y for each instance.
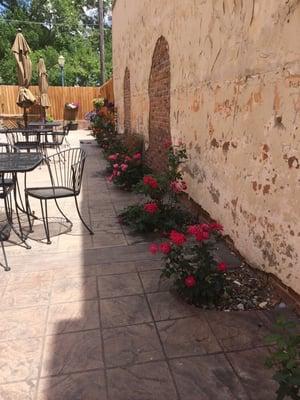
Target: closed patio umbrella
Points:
(21, 52)
(43, 83)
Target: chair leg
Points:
(45, 220)
(62, 213)
(6, 266)
(80, 216)
(28, 212)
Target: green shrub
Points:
(286, 359)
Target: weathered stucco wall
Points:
(235, 101)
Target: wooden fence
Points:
(58, 97)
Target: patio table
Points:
(15, 163)
(19, 162)
(46, 124)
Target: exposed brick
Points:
(127, 103)
(159, 97)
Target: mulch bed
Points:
(248, 289)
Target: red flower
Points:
(222, 267)
(190, 281)
(165, 248)
(116, 166)
(128, 159)
(199, 236)
(124, 167)
(137, 156)
(199, 231)
(151, 208)
(177, 238)
(205, 227)
(153, 248)
(167, 144)
(150, 181)
(193, 229)
(215, 227)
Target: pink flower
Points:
(165, 248)
(128, 159)
(124, 167)
(151, 208)
(118, 173)
(177, 238)
(116, 166)
(137, 156)
(190, 281)
(222, 267)
(178, 186)
(153, 248)
(112, 157)
(150, 181)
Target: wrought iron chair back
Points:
(24, 140)
(66, 169)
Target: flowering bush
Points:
(102, 122)
(163, 190)
(167, 185)
(126, 170)
(165, 218)
(197, 276)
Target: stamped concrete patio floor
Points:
(86, 318)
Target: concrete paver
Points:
(88, 317)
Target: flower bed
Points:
(201, 280)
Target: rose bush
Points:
(197, 276)
(126, 170)
(164, 189)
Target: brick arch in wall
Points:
(127, 102)
(159, 99)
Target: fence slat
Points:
(58, 97)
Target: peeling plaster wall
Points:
(235, 101)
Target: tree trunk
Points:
(101, 42)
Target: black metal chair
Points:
(55, 139)
(25, 140)
(65, 171)
(7, 185)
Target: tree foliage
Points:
(69, 27)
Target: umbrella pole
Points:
(25, 117)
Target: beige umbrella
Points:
(43, 83)
(21, 52)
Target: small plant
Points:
(197, 276)
(49, 118)
(286, 359)
(98, 102)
